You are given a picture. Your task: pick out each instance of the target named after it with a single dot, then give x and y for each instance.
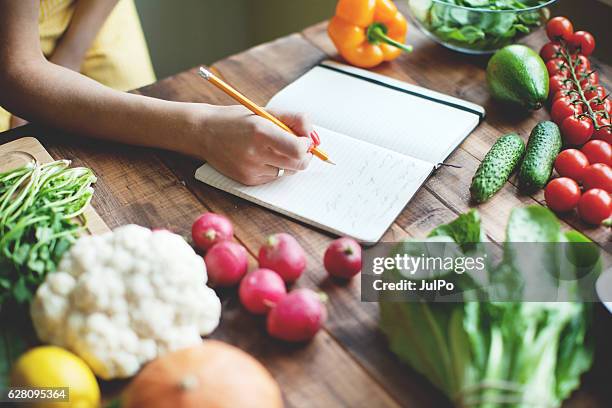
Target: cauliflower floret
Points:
(121, 299)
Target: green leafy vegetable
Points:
(476, 29)
(41, 207)
(499, 354)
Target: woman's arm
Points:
(87, 19)
(240, 145)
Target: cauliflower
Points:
(121, 299)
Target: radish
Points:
(284, 255)
(210, 229)
(226, 263)
(343, 258)
(297, 317)
(260, 290)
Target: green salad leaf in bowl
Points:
(478, 26)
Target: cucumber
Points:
(497, 166)
(542, 149)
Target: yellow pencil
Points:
(253, 107)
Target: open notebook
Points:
(385, 136)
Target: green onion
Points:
(41, 216)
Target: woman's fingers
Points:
(272, 137)
(298, 122)
(278, 160)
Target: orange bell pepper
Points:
(368, 32)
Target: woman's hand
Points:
(251, 149)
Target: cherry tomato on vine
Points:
(562, 108)
(557, 66)
(577, 131)
(605, 132)
(583, 42)
(559, 82)
(595, 206)
(559, 27)
(565, 93)
(562, 194)
(550, 50)
(591, 78)
(598, 151)
(583, 64)
(594, 91)
(571, 163)
(601, 106)
(597, 175)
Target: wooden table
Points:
(348, 363)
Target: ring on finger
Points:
(281, 172)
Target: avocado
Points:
(542, 149)
(496, 167)
(517, 75)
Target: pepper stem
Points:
(377, 33)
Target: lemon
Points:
(50, 366)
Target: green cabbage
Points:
(496, 354)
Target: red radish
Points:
(343, 258)
(226, 263)
(297, 317)
(260, 290)
(284, 255)
(210, 229)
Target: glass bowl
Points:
(477, 30)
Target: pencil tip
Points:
(330, 162)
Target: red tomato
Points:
(559, 27)
(597, 176)
(563, 108)
(598, 151)
(591, 78)
(605, 131)
(571, 163)
(559, 82)
(583, 42)
(550, 50)
(595, 206)
(601, 106)
(562, 194)
(577, 131)
(557, 66)
(565, 93)
(594, 91)
(583, 65)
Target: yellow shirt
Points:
(118, 57)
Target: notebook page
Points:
(398, 121)
(360, 197)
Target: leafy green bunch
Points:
(41, 215)
(488, 354)
(481, 30)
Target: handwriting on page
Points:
(360, 196)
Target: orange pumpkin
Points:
(210, 375)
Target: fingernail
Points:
(315, 138)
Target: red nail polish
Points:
(315, 138)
